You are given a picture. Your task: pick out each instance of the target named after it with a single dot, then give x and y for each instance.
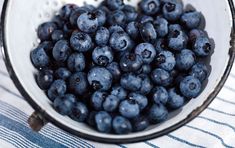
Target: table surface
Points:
(213, 128)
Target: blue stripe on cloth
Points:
(28, 133)
(185, 141)
(211, 134)
(222, 112)
(51, 131)
(221, 99)
(14, 137)
(150, 144)
(217, 122)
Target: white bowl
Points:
(20, 19)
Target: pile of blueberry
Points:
(118, 69)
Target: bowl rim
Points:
(181, 123)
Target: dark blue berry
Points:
(150, 7)
(100, 78)
(63, 105)
(76, 62)
(177, 40)
(148, 32)
(145, 69)
(115, 28)
(62, 73)
(115, 4)
(97, 99)
(120, 41)
(57, 35)
(79, 112)
(39, 57)
(202, 47)
(141, 100)
(61, 51)
(78, 83)
(161, 26)
(102, 56)
(160, 95)
(119, 92)
(185, 59)
(129, 108)
(110, 103)
(157, 113)
(140, 123)
(130, 62)
(121, 125)
(101, 16)
(200, 71)
(175, 100)
(190, 87)
(172, 10)
(44, 78)
(57, 89)
(115, 70)
(145, 19)
(165, 60)
(174, 27)
(117, 17)
(161, 77)
(66, 10)
(132, 29)
(45, 30)
(146, 84)
(81, 42)
(88, 22)
(102, 36)
(75, 14)
(131, 82)
(160, 45)
(130, 12)
(103, 122)
(196, 33)
(191, 20)
(146, 51)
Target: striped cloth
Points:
(214, 128)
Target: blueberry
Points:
(115, 70)
(160, 45)
(57, 89)
(117, 17)
(132, 29)
(101, 16)
(78, 83)
(100, 78)
(45, 30)
(57, 35)
(66, 10)
(91, 119)
(44, 78)
(200, 71)
(115, 28)
(190, 87)
(165, 60)
(150, 7)
(102, 56)
(121, 125)
(202, 47)
(81, 42)
(63, 105)
(191, 20)
(47, 46)
(141, 100)
(79, 112)
(120, 41)
(104, 8)
(185, 60)
(103, 122)
(68, 29)
(196, 33)
(145, 69)
(130, 82)
(172, 10)
(58, 21)
(115, 4)
(161, 26)
(130, 62)
(146, 51)
(88, 22)
(111, 103)
(140, 123)
(157, 113)
(174, 27)
(75, 14)
(119, 92)
(39, 57)
(161, 77)
(160, 95)
(61, 51)
(130, 12)
(175, 100)
(102, 36)
(89, 7)
(76, 62)
(129, 108)
(145, 19)
(146, 84)
(147, 31)
(97, 99)
(62, 73)
(177, 40)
